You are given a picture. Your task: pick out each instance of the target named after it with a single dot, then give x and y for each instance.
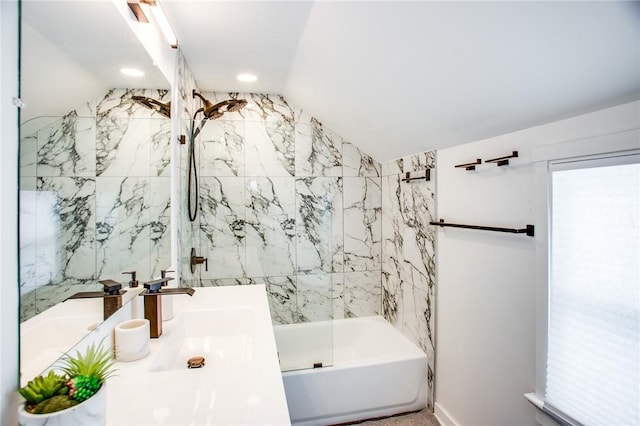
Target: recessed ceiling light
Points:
(247, 77)
(132, 72)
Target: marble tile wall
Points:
(187, 231)
(94, 198)
(408, 252)
(290, 204)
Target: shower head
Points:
(157, 106)
(234, 105)
(211, 111)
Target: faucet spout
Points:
(111, 297)
(153, 302)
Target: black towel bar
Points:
(529, 230)
(427, 176)
(470, 166)
(503, 161)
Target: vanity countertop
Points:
(241, 383)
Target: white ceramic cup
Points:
(132, 340)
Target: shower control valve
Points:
(198, 260)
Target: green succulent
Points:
(88, 371)
(55, 403)
(42, 388)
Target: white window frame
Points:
(607, 146)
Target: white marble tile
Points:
(160, 152)
(302, 115)
(87, 109)
(418, 237)
(27, 233)
(123, 147)
(269, 148)
(392, 300)
(160, 224)
(189, 231)
(362, 223)
(358, 163)
(67, 147)
(186, 83)
(319, 220)
(65, 230)
(409, 256)
(28, 305)
(222, 226)
(270, 224)
(318, 151)
(282, 297)
(418, 326)
(28, 155)
(393, 167)
(315, 297)
(123, 226)
(222, 152)
(362, 294)
(264, 107)
(31, 127)
(337, 291)
(393, 224)
(222, 282)
(419, 162)
(117, 103)
(50, 295)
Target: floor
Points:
(419, 418)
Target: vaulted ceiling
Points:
(396, 77)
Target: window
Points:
(593, 342)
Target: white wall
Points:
(8, 212)
(486, 281)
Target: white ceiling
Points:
(72, 52)
(393, 77)
(397, 78)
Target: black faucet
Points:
(111, 297)
(153, 302)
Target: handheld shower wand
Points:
(210, 112)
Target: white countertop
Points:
(241, 383)
(48, 335)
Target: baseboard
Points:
(443, 417)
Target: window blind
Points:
(593, 347)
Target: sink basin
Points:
(221, 336)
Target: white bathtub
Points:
(376, 371)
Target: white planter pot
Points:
(92, 412)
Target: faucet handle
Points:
(111, 287)
(153, 287)
(156, 285)
(198, 260)
(134, 281)
(163, 274)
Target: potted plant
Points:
(75, 397)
